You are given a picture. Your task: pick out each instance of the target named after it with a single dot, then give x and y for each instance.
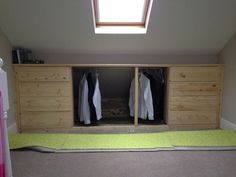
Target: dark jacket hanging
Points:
(91, 88)
(157, 82)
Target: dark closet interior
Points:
(114, 86)
(157, 78)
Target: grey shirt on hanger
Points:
(84, 111)
(145, 108)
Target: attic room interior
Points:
(113, 88)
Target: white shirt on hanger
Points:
(145, 98)
(84, 110)
(97, 99)
(145, 108)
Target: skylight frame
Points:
(122, 27)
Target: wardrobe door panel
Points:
(199, 74)
(45, 89)
(193, 88)
(192, 117)
(194, 96)
(193, 103)
(44, 73)
(45, 104)
(45, 120)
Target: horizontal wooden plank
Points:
(113, 65)
(46, 120)
(193, 103)
(44, 73)
(192, 126)
(193, 88)
(45, 104)
(194, 74)
(45, 89)
(192, 117)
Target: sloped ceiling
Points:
(175, 27)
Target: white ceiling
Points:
(175, 26)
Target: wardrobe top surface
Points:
(117, 65)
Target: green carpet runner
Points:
(209, 138)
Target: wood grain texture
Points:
(220, 98)
(45, 104)
(46, 120)
(167, 96)
(199, 74)
(194, 97)
(192, 126)
(17, 100)
(44, 73)
(45, 89)
(193, 88)
(192, 117)
(44, 98)
(193, 103)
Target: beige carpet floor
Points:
(125, 164)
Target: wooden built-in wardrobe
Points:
(44, 96)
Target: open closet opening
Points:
(112, 97)
(152, 96)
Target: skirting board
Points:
(12, 128)
(225, 124)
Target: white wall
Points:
(5, 54)
(124, 58)
(228, 57)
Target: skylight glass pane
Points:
(118, 11)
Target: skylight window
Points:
(121, 16)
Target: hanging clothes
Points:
(145, 107)
(81, 85)
(84, 108)
(145, 98)
(97, 99)
(157, 82)
(91, 90)
(2, 141)
(89, 107)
